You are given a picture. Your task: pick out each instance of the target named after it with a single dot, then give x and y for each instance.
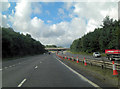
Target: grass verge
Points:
(84, 53)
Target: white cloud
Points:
(21, 18)
(112, 12)
(63, 33)
(49, 21)
(3, 18)
(61, 14)
(91, 25)
(4, 5)
(35, 22)
(68, 5)
(95, 12)
(3, 21)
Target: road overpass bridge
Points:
(57, 49)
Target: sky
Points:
(56, 23)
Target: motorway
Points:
(41, 71)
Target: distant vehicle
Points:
(112, 54)
(96, 54)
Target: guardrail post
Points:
(102, 66)
(90, 63)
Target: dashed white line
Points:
(10, 66)
(36, 67)
(13, 65)
(40, 62)
(21, 83)
(19, 63)
(0, 69)
(6, 67)
(95, 85)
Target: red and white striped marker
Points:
(77, 60)
(72, 58)
(68, 57)
(85, 63)
(65, 57)
(114, 69)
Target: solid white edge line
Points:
(93, 84)
(21, 83)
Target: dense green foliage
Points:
(106, 37)
(60, 47)
(16, 44)
(51, 46)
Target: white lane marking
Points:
(36, 67)
(21, 83)
(95, 85)
(19, 63)
(13, 65)
(40, 62)
(6, 67)
(0, 69)
(10, 66)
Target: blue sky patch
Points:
(9, 11)
(49, 12)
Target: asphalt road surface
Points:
(41, 71)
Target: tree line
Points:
(17, 44)
(105, 37)
(53, 46)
